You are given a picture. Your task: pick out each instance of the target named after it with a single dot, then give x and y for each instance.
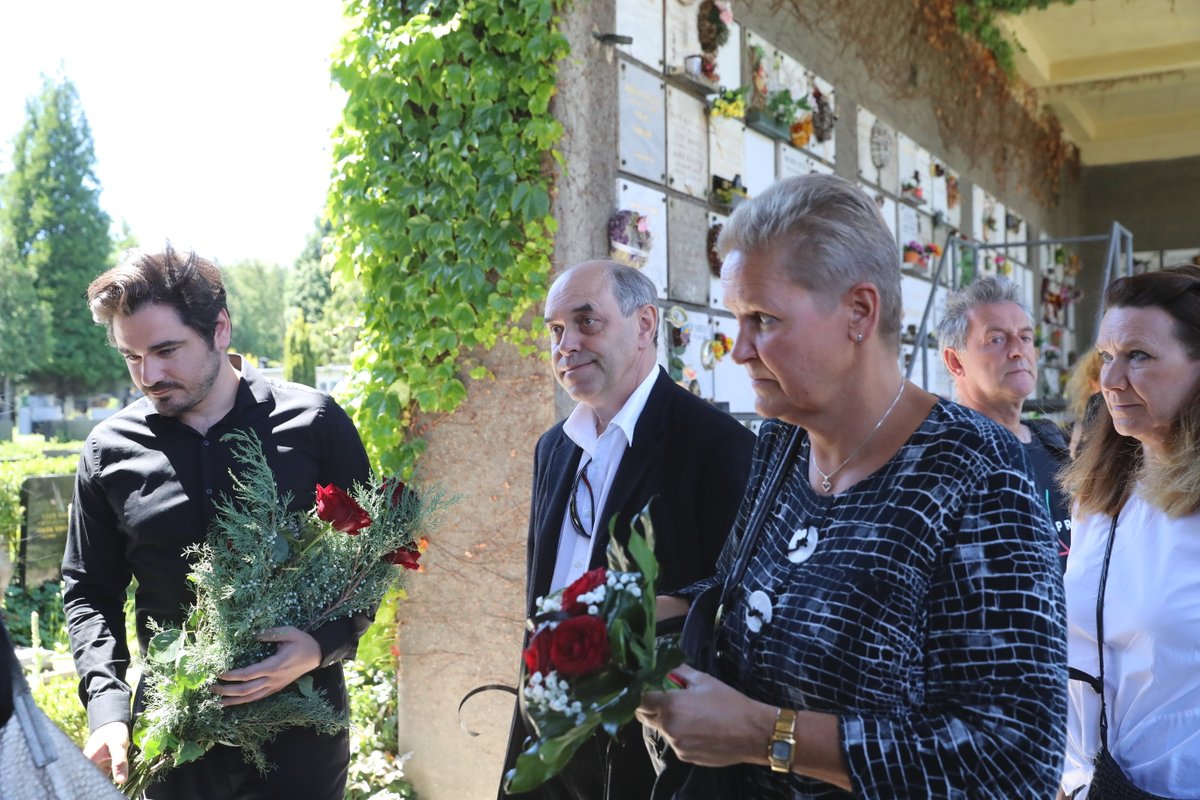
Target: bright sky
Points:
(211, 120)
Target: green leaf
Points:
(165, 647)
(190, 751)
(305, 685)
(281, 548)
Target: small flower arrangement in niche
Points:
(933, 249)
(715, 349)
(629, 238)
(591, 656)
(679, 336)
(714, 20)
(952, 195)
(1012, 223)
(714, 255)
(286, 568)
(729, 103)
(914, 253)
(823, 116)
(802, 131)
(911, 189)
(729, 193)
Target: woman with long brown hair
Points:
(1132, 580)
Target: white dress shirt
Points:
(1152, 652)
(605, 452)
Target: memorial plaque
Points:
(643, 129)
(996, 234)
(687, 144)
(887, 207)
(937, 194)
(44, 528)
(682, 32)
(731, 383)
(687, 256)
(652, 205)
(925, 170)
(977, 200)
(726, 155)
(906, 160)
(793, 162)
(760, 162)
(643, 20)
(715, 295)
(910, 226)
(729, 59)
(878, 152)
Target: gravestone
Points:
(46, 500)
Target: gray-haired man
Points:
(987, 343)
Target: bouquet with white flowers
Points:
(592, 655)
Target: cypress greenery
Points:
(55, 236)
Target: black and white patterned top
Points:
(923, 606)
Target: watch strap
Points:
(783, 741)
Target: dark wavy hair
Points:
(191, 285)
(1109, 464)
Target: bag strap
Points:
(1112, 534)
(758, 517)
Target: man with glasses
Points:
(634, 436)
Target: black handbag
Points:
(701, 631)
(1109, 781)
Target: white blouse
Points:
(1152, 652)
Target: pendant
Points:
(802, 544)
(826, 485)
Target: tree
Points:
(299, 361)
(256, 307)
(331, 305)
(55, 234)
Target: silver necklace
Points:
(827, 479)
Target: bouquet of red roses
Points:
(263, 566)
(591, 656)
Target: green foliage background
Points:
(440, 203)
(54, 234)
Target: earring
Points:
(859, 339)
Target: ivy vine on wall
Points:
(440, 200)
(977, 18)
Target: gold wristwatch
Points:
(783, 741)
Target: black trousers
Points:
(306, 765)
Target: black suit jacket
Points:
(692, 460)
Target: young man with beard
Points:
(146, 488)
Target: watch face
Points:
(781, 751)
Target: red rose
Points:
(404, 557)
(582, 585)
(340, 510)
(537, 654)
(394, 487)
(580, 646)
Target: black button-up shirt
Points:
(146, 489)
